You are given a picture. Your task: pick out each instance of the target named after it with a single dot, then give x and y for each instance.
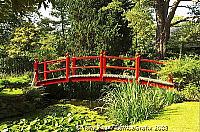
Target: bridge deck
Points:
(106, 78)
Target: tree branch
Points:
(184, 20)
(173, 10)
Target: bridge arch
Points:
(71, 74)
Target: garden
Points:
(124, 28)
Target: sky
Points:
(181, 11)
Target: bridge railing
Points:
(71, 65)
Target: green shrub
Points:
(15, 82)
(191, 92)
(130, 103)
(186, 72)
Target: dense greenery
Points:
(184, 39)
(15, 82)
(60, 117)
(85, 27)
(186, 72)
(130, 103)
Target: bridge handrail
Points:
(102, 65)
(147, 70)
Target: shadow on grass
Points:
(165, 113)
(16, 106)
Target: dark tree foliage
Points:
(98, 25)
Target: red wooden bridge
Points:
(71, 73)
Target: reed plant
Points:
(128, 103)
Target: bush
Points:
(191, 92)
(15, 82)
(130, 103)
(186, 72)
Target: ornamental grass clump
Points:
(129, 103)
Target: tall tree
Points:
(60, 11)
(164, 16)
(141, 21)
(96, 25)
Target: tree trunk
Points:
(163, 18)
(163, 39)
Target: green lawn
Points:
(182, 117)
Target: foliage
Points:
(19, 7)
(96, 25)
(57, 118)
(130, 103)
(195, 8)
(186, 72)
(15, 82)
(24, 41)
(191, 92)
(10, 91)
(28, 42)
(141, 23)
(185, 39)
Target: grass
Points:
(8, 91)
(181, 117)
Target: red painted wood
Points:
(45, 70)
(101, 65)
(36, 70)
(104, 62)
(137, 67)
(57, 70)
(97, 79)
(49, 82)
(85, 79)
(67, 67)
(121, 67)
(160, 85)
(147, 70)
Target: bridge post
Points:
(73, 65)
(104, 62)
(137, 67)
(170, 78)
(101, 65)
(67, 66)
(36, 70)
(45, 69)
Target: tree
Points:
(97, 25)
(24, 41)
(164, 18)
(60, 11)
(185, 39)
(143, 28)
